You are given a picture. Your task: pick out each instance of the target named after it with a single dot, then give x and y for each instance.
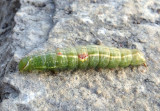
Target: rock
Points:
(7, 12)
(45, 24)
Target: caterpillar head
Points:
(137, 57)
(24, 64)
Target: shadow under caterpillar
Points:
(82, 57)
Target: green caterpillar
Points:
(82, 57)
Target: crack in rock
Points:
(8, 10)
(8, 91)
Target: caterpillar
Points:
(82, 57)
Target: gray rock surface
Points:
(7, 12)
(42, 25)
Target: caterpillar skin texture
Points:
(82, 57)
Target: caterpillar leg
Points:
(54, 72)
(98, 69)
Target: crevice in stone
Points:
(8, 91)
(23, 107)
(8, 10)
(53, 13)
(157, 22)
(138, 20)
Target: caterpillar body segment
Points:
(93, 53)
(82, 57)
(115, 58)
(62, 60)
(72, 58)
(104, 57)
(126, 57)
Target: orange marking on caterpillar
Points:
(145, 64)
(59, 53)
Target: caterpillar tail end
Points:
(138, 58)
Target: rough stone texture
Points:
(44, 25)
(7, 12)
